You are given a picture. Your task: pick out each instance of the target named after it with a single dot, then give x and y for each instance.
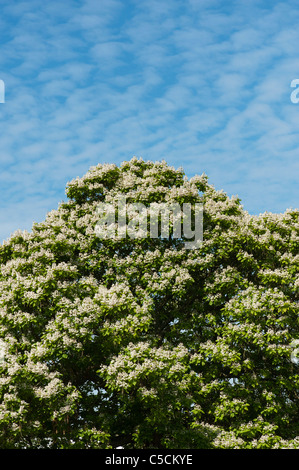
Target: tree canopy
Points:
(140, 342)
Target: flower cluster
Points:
(141, 342)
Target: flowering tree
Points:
(143, 343)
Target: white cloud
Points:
(205, 85)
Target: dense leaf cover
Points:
(141, 342)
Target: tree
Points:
(141, 342)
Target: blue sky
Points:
(203, 84)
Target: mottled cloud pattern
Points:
(202, 84)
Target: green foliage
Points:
(141, 342)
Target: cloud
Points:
(205, 85)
